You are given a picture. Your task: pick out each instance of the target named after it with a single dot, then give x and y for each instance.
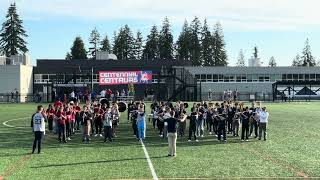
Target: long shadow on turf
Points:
(96, 162)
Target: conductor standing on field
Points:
(38, 128)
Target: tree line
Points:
(196, 43)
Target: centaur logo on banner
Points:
(124, 77)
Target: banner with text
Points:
(124, 77)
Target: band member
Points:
(133, 117)
(86, 117)
(245, 124)
(160, 124)
(210, 120)
(38, 128)
(172, 131)
(98, 120)
(200, 122)
(141, 123)
(182, 124)
(130, 108)
(253, 120)
(107, 125)
(61, 119)
(192, 124)
(231, 113)
(222, 117)
(236, 123)
(263, 122)
(115, 118)
(77, 111)
(50, 113)
(68, 123)
(166, 115)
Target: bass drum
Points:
(122, 106)
(104, 101)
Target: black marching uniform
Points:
(222, 117)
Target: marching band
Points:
(219, 119)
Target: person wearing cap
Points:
(263, 122)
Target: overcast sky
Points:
(278, 27)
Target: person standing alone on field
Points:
(38, 127)
(263, 116)
(172, 131)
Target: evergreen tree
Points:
(12, 34)
(195, 46)
(123, 46)
(138, 46)
(166, 40)
(78, 50)
(206, 46)
(255, 52)
(94, 40)
(272, 62)
(105, 45)
(219, 52)
(68, 56)
(183, 43)
(307, 59)
(296, 61)
(151, 49)
(241, 59)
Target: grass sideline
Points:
(291, 151)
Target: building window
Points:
(295, 77)
(215, 78)
(318, 77)
(312, 77)
(203, 78)
(284, 77)
(198, 77)
(306, 77)
(209, 77)
(301, 77)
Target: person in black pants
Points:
(230, 119)
(222, 117)
(254, 120)
(245, 124)
(38, 127)
(192, 124)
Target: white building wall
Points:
(16, 77)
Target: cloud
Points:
(278, 15)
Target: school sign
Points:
(124, 77)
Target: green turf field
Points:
(291, 151)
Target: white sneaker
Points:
(95, 135)
(202, 135)
(216, 135)
(210, 133)
(100, 135)
(189, 140)
(161, 135)
(69, 139)
(197, 140)
(247, 140)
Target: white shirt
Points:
(38, 122)
(107, 119)
(264, 116)
(72, 94)
(166, 116)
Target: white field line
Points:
(153, 172)
(5, 123)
